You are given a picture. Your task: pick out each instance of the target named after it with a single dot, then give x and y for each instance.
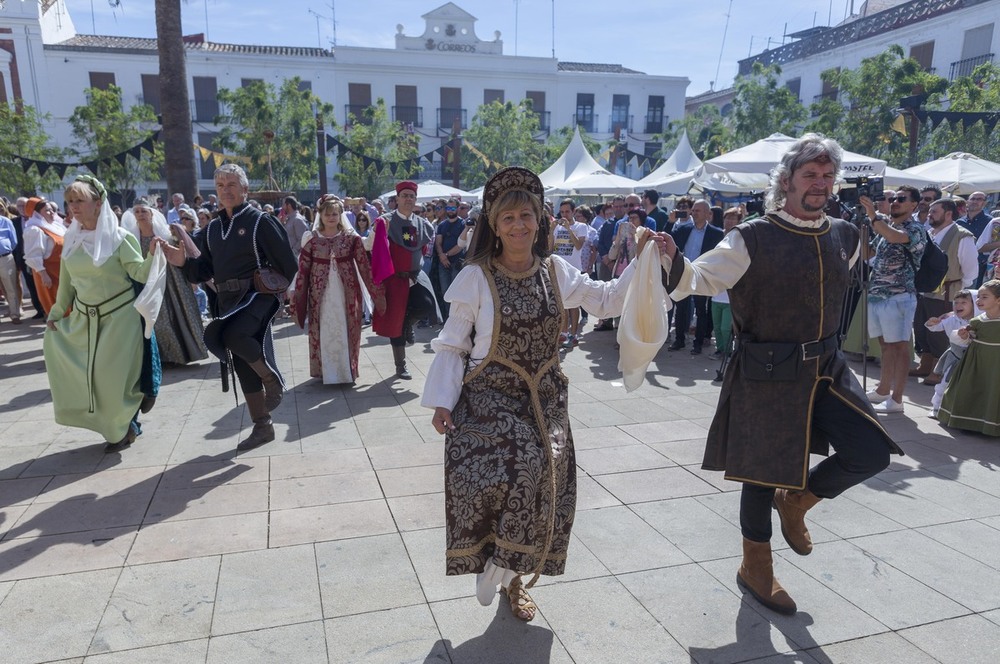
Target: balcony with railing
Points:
(544, 120)
(358, 111)
(446, 118)
(967, 66)
(207, 110)
(620, 121)
(587, 121)
(409, 115)
(654, 122)
(818, 99)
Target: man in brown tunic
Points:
(788, 390)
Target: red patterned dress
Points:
(328, 293)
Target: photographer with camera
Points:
(788, 390)
(896, 247)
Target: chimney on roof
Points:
(198, 38)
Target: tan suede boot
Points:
(756, 576)
(272, 384)
(926, 366)
(263, 429)
(792, 507)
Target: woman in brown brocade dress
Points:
(328, 294)
(500, 396)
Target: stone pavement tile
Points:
(366, 574)
(207, 501)
(953, 574)
(900, 505)
(176, 540)
(170, 653)
(688, 406)
(365, 407)
(425, 428)
(199, 442)
(623, 542)
(35, 631)
(411, 481)
(875, 587)
(304, 643)
(598, 415)
(585, 438)
(958, 497)
(682, 452)
(665, 432)
(598, 620)
(715, 478)
(978, 476)
(965, 640)
(9, 516)
(5, 588)
(476, 634)
(21, 491)
(28, 433)
(591, 495)
(84, 513)
(388, 431)
(886, 648)
(146, 451)
(285, 576)
(64, 554)
(722, 630)
(426, 551)
(214, 471)
(159, 604)
(324, 490)
(342, 436)
(992, 616)
(693, 528)
(418, 512)
(406, 634)
(646, 485)
(640, 410)
(605, 460)
(290, 466)
(575, 395)
(972, 538)
(330, 522)
(406, 455)
(922, 456)
(845, 518)
(63, 458)
(966, 447)
(581, 563)
(15, 460)
(136, 482)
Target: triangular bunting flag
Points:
(60, 170)
(136, 152)
(121, 158)
(92, 166)
(26, 164)
(990, 122)
(43, 168)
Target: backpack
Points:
(933, 267)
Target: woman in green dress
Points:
(94, 342)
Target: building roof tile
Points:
(595, 67)
(110, 43)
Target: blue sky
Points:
(664, 37)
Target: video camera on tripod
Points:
(872, 187)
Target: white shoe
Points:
(875, 397)
(888, 406)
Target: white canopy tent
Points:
(682, 162)
(576, 172)
(959, 173)
(431, 189)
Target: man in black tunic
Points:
(234, 245)
(788, 390)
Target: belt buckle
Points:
(805, 351)
(91, 311)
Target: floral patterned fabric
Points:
(334, 314)
(510, 469)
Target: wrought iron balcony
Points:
(206, 110)
(358, 111)
(967, 66)
(619, 121)
(544, 120)
(446, 118)
(654, 122)
(409, 115)
(585, 121)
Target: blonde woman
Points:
(334, 279)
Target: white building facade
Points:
(428, 81)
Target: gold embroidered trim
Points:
(503, 544)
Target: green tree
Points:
(104, 129)
(274, 129)
(374, 135)
(503, 133)
(762, 106)
(708, 132)
(22, 134)
(977, 93)
(868, 98)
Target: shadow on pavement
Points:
(506, 639)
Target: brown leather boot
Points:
(399, 356)
(926, 366)
(272, 384)
(756, 576)
(932, 379)
(263, 429)
(792, 507)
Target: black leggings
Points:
(419, 304)
(860, 449)
(242, 334)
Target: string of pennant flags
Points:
(43, 166)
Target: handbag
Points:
(770, 361)
(269, 281)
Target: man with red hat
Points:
(408, 292)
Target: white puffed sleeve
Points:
(36, 248)
(603, 299)
(467, 295)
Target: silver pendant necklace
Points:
(232, 222)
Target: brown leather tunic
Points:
(792, 292)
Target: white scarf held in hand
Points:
(643, 327)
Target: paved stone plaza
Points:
(327, 545)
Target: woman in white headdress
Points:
(43, 244)
(178, 331)
(94, 345)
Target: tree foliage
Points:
(503, 133)
(708, 133)
(104, 129)
(375, 136)
(22, 134)
(976, 93)
(762, 106)
(258, 111)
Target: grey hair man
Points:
(787, 274)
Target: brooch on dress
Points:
(843, 254)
